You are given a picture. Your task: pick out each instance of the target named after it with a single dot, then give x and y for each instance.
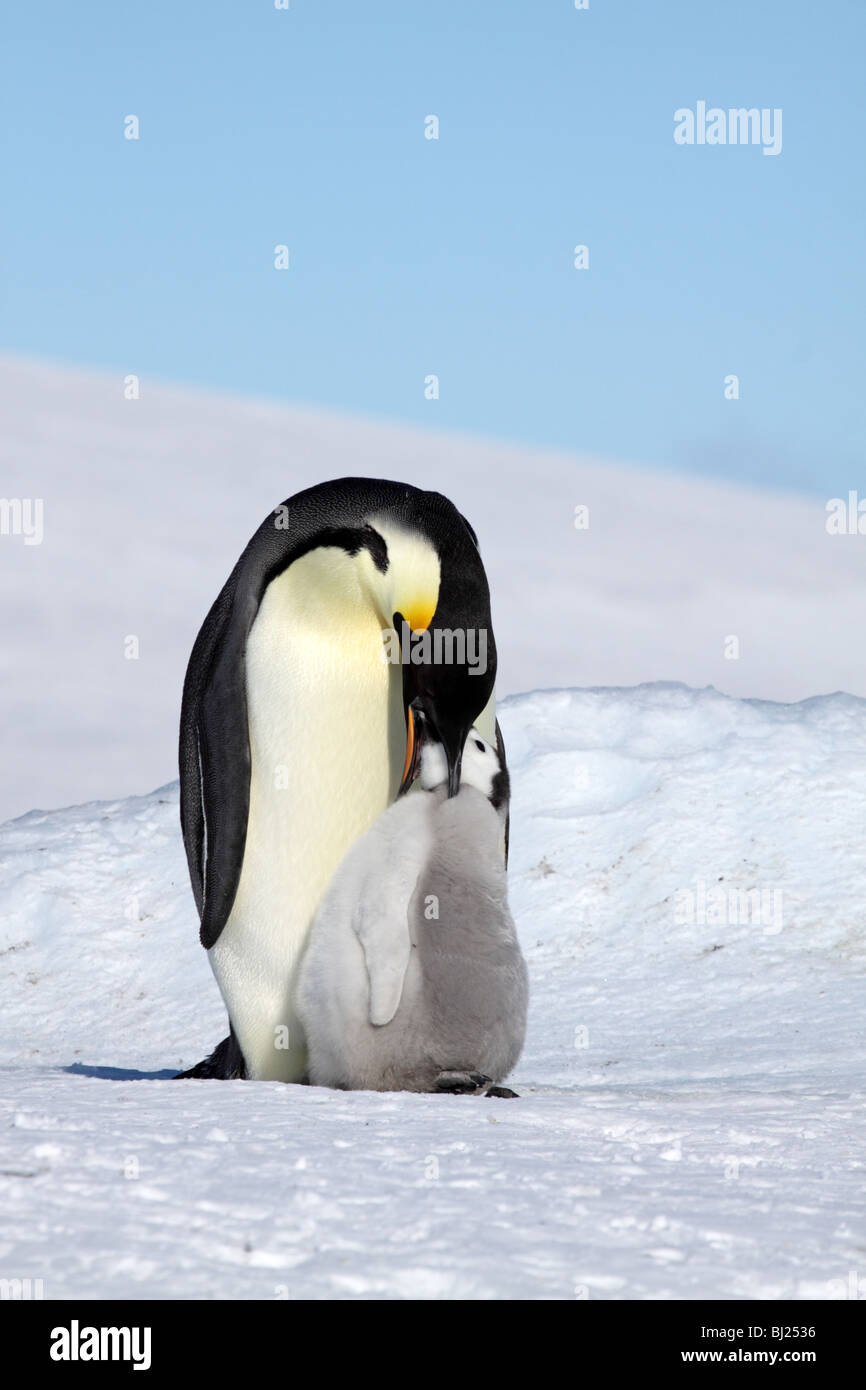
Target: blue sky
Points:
(412, 256)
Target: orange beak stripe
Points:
(410, 744)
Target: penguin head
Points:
(482, 767)
(446, 608)
(417, 565)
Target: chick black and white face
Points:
(481, 768)
(480, 764)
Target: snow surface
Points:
(148, 503)
(691, 1118)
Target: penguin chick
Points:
(413, 979)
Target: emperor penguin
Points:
(355, 603)
(412, 979)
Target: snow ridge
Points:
(686, 878)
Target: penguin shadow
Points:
(118, 1073)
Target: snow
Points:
(691, 1119)
(149, 502)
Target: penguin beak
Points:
(418, 722)
(414, 740)
(450, 735)
(453, 741)
(428, 715)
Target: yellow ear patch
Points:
(411, 584)
(419, 614)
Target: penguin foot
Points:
(504, 1091)
(461, 1083)
(225, 1063)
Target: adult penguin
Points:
(353, 600)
